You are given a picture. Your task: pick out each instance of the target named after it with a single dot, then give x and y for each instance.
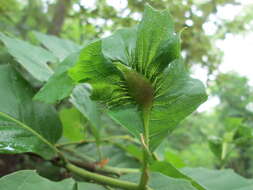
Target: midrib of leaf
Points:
(22, 125)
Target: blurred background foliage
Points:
(220, 137)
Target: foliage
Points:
(135, 78)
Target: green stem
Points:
(105, 169)
(102, 179)
(145, 170)
(123, 137)
(224, 150)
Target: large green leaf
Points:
(34, 59)
(120, 46)
(59, 85)
(61, 48)
(218, 180)
(161, 182)
(89, 186)
(179, 95)
(128, 117)
(151, 70)
(73, 124)
(155, 29)
(30, 180)
(169, 170)
(93, 65)
(116, 155)
(25, 126)
(80, 98)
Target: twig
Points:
(124, 137)
(90, 164)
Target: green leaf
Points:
(25, 126)
(135, 151)
(161, 182)
(169, 170)
(30, 180)
(89, 186)
(117, 155)
(122, 115)
(153, 74)
(59, 85)
(178, 97)
(34, 59)
(154, 31)
(92, 65)
(174, 159)
(73, 124)
(215, 145)
(61, 48)
(219, 180)
(120, 46)
(232, 123)
(169, 51)
(243, 136)
(80, 98)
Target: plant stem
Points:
(102, 179)
(123, 137)
(145, 142)
(106, 169)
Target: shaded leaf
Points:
(25, 126)
(169, 170)
(89, 186)
(33, 58)
(92, 65)
(117, 156)
(61, 48)
(215, 145)
(179, 96)
(122, 117)
(174, 159)
(81, 100)
(218, 180)
(154, 30)
(161, 182)
(120, 46)
(73, 124)
(59, 85)
(30, 180)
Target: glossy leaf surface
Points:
(25, 125)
